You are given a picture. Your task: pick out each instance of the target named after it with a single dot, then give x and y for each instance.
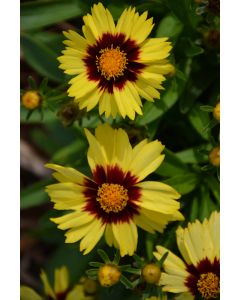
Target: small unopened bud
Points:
(214, 156)
(90, 286)
(108, 275)
(216, 112)
(68, 113)
(31, 99)
(151, 273)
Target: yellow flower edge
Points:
(199, 273)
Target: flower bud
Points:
(214, 156)
(216, 112)
(108, 275)
(90, 286)
(31, 100)
(151, 273)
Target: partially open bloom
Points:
(115, 199)
(31, 100)
(60, 291)
(199, 275)
(115, 64)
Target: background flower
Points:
(199, 275)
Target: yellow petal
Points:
(61, 280)
(109, 237)
(184, 296)
(77, 233)
(46, 285)
(116, 144)
(76, 41)
(96, 153)
(126, 237)
(173, 283)
(26, 293)
(151, 153)
(91, 239)
(81, 86)
(108, 105)
(173, 265)
(68, 174)
(90, 100)
(154, 50)
(74, 219)
(146, 90)
(214, 229)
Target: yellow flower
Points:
(199, 275)
(214, 156)
(164, 297)
(216, 112)
(31, 99)
(115, 199)
(59, 291)
(115, 65)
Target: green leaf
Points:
(70, 153)
(192, 156)
(95, 264)
(116, 257)
(128, 284)
(34, 195)
(171, 165)
(104, 256)
(184, 11)
(41, 58)
(184, 183)
(133, 271)
(163, 258)
(49, 116)
(207, 108)
(170, 26)
(194, 209)
(37, 14)
(199, 120)
(153, 111)
(190, 48)
(214, 185)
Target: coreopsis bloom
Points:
(115, 200)
(115, 64)
(199, 275)
(60, 290)
(216, 111)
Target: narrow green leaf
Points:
(35, 194)
(133, 271)
(184, 183)
(41, 58)
(163, 258)
(170, 26)
(192, 156)
(116, 257)
(128, 284)
(199, 120)
(37, 14)
(95, 264)
(104, 256)
(194, 209)
(171, 165)
(214, 185)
